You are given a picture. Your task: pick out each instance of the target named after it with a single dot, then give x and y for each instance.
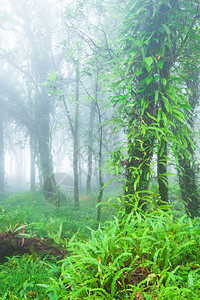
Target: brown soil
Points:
(12, 243)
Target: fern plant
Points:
(142, 256)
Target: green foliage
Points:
(23, 277)
(44, 219)
(154, 256)
(149, 88)
(29, 277)
(151, 255)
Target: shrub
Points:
(142, 256)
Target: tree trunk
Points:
(76, 138)
(43, 138)
(32, 163)
(138, 171)
(162, 147)
(162, 171)
(187, 171)
(188, 185)
(99, 198)
(90, 142)
(2, 159)
(149, 91)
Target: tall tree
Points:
(34, 24)
(2, 160)
(187, 163)
(148, 93)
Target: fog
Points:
(54, 106)
(99, 149)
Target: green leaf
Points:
(166, 28)
(186, 106)
(177, 112)
(148, 79)
(164, 81)
(164, 117)
(141, 89)
(150, 116)
(148, 60)
(167, 104)
(156, 96)
(160, 64)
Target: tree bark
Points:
(187, 170)
(100, 195)
(189, 188)
(76, 138)
(43, 139)
(162, 172)
(2, 158)
(142, 141)
(138, 171)
(32, 162)
(90, 142)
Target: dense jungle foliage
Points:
(140, 241)
(145, 255)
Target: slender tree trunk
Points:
(76, 138)
(90, 142)
(79, 165)
(162, 147)
(187, 170)
(162, 171)
(32, 163)
(100, 196)
(188, 185)
(43, 138)
(2, 159)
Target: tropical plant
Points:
(149, 89)
(142, 256)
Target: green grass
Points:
(29, 276)
(25, 277)
(44, 219)
(154, 255)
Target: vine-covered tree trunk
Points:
(162, 171)
(138, 171)
(2, 161)
(187, 170)
(44, 147)
(189, 188)
(150, 100)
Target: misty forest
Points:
(99, 149)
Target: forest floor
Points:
(14, 243)
(49, 252)
(30, 224)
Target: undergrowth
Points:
(46, 220)
(152, 255)
(142, 256)
(25, 277)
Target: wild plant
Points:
(140, 256)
